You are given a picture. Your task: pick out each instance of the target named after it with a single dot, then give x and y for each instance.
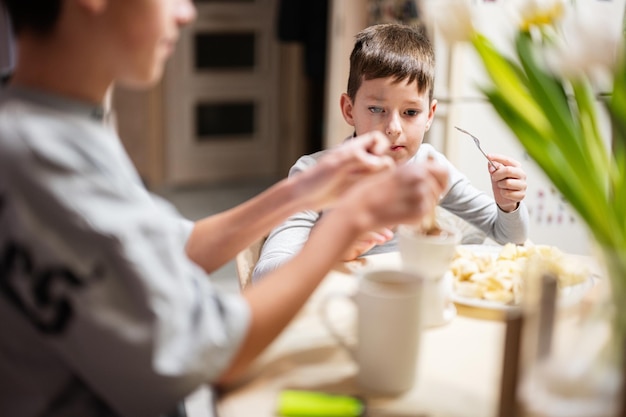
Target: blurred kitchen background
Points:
(256, 83)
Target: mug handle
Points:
(328, 323)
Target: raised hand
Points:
(342, 167)
(367, 241)
(508, 182)
(402, 195)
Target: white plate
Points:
(567, 296)
(480, 303)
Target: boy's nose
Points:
(185, 12)
(394, 127)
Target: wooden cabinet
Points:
(221, 95)
(215, 116)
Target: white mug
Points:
(430, 256)
(388, 330)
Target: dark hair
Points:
(40, 16)
(392, 50)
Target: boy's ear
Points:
(431, 113)
(346, 109)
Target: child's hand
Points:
(508, 182)
(367, 241)
(405, 194)
(342, 167)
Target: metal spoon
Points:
(477, 142)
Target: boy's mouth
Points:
(396, 148)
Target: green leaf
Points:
(593, 144)
(549, 93)
(545, 88)
(562, 134)
(573, 184)
(506, 76)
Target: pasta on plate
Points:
(496, 273)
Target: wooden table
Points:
(458, 371)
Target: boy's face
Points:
(144, 35)
(395, 108)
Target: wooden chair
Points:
(246, 260)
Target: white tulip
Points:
(538, 12)
(591, 35)
(453, 18)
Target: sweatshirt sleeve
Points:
(288, 238)
(99, 272)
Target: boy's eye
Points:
(412, 112)
(373, 109)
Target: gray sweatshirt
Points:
(461, 199)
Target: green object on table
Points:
(296, 403)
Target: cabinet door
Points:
(221, 93)
(7, 54)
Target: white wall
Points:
(346, 19)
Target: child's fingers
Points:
(507, 172)
(512, 184)
(367, 153)
(374, 142)
(504, 160)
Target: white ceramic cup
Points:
(388, 330)
(430, 256)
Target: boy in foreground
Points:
(106, 305)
